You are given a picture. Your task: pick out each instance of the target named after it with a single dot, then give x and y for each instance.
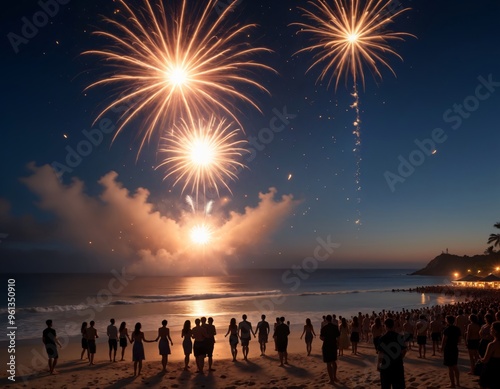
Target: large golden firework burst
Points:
(347, 37)
(179, 63)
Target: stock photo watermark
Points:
(116, 284)
(31, 26)
(294, 276)
(266, 135)
(92, 140)
(222, 5)
(454, 117)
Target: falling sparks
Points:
(176, 64)
(348, 38)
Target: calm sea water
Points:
(69, 299)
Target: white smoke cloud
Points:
(121, 227)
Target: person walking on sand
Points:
(199, 334)
(245, 331)
(392, 350)
(262, 331)
(124, 337)
(329, 335)
(282, 331)
(232, 331)
(210, 342)
(163, 345)
(85, 346)
(91, 334)
(138, 348)
(187, 343)
(449, 348)
(112, 333)
(310, 334)
(49, 339)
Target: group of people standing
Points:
(120, 336)
(445, 325)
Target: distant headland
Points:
(458, 266)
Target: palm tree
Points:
(495, 238)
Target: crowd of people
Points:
(392, 334)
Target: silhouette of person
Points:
(164, 346)
(281, 333)
(245, 331)
(263, 334)
(91, 334)
(49, 339)
(112, 333)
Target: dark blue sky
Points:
(449, 201)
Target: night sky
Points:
(449, 80)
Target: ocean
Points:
(70, 299)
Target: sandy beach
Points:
(260, 372)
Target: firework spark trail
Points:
(357, 152)
(176, 65)
(347, 39)
(203, 155)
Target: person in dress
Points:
(310, 335)
(449, 348)
(124, 338)
(138, 348)
(354, 338)
(232, 331)
(187, 343)
(262, 334)
(344, 342)
(85, 346)
(490, 374)
(164, 344)
(329, 335)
